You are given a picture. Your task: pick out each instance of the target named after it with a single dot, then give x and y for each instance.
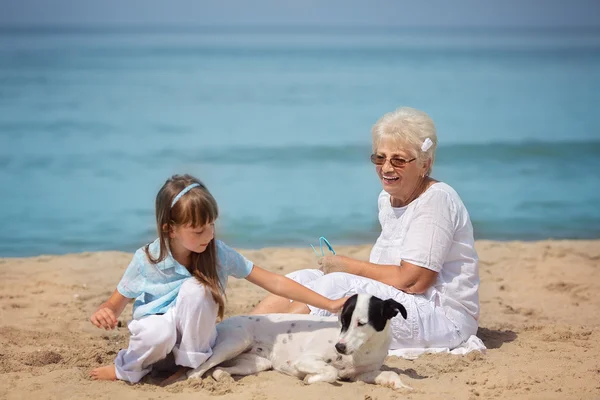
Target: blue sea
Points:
(276, 121)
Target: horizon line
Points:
(290, 27)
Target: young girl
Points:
(178, 283)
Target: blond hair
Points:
(408, 127)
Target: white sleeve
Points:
(430, 232)
(383, 196)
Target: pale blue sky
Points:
(526, 13)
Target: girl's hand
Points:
(104, 317)
(329, 264)
(336, 305)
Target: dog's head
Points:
(362, 317)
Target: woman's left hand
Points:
(329, 264)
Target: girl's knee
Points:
(160, 333)
(164, 338)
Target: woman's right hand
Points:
(104, 317)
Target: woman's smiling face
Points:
(399, 182)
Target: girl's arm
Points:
(407, 277)
(106, 315)
(285, 287)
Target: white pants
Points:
(426, 326)
(188, 329)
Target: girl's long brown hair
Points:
(196, 208)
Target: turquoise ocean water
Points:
(277, 121)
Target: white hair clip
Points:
(427, 143)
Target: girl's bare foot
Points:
(106, 373)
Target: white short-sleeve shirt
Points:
(434, 232)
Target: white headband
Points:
(184, 191)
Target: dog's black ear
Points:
(347, 311)
(391, 308)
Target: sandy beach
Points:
(540, 319)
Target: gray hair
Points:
(408, 127)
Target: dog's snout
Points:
(341, 348)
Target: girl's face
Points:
(194, 239)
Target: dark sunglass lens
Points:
(375, 159)
(397, 162)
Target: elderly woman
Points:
(424, 257)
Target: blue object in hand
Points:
(321, 241)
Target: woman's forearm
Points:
(409, 280)
(388, 274)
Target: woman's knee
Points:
(334, 285)
(336, 279)
(340, 275)
(305, 276)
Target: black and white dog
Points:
(310, 347)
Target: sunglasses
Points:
(396, 162)
(321, 241)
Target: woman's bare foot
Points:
(106, 373)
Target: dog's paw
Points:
(310, 379)
(221, 376)
(397, 385)
(195, 374)
(392, 380)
